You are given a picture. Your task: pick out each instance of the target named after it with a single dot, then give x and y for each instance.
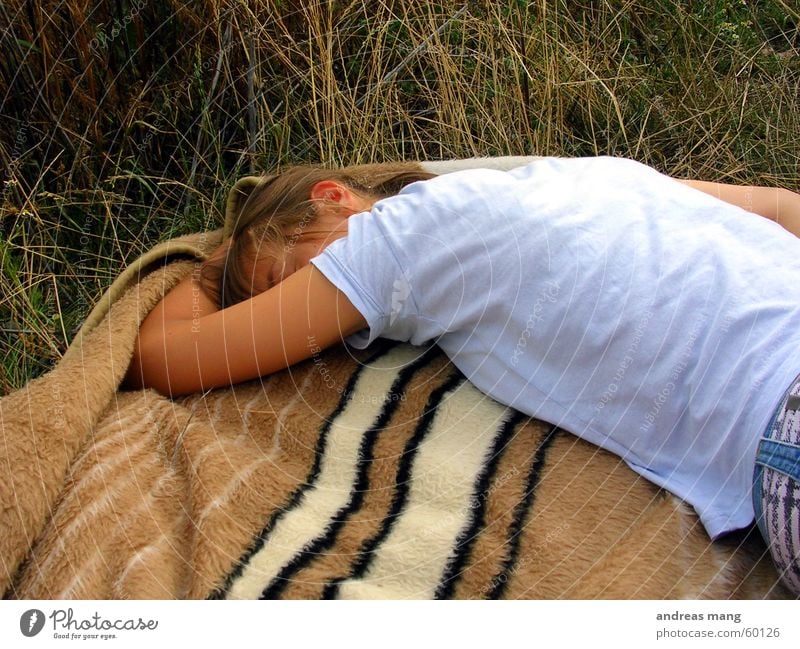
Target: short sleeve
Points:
(366, 269)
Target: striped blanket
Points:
(376, 473)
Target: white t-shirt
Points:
(597, 294)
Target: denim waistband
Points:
(776, 455)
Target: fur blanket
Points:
(377, 473)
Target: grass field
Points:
(125, 124)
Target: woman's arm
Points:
(186, 301)
(282, 326)
(774, 203)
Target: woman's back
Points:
(597, 294)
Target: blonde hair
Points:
(264, 208)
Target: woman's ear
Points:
(329, 190)
(336, 193)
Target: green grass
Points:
(107, 150)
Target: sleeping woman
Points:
(656, 318)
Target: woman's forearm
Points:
(185, 302)
(284, 325)
(774, 203)
(789, 211)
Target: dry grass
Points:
(125, 124)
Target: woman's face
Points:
(329, 224)
(272, 269)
